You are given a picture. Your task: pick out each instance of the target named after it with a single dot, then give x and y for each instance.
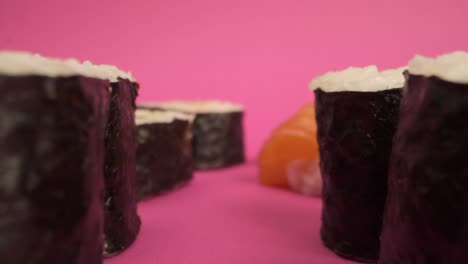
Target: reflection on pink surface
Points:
(261, 53)
(227, 217)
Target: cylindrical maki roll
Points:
(164, 151)
(357, 114)
(218, 134)
(122, 224)
(52, 123)
(426, 218)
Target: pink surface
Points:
(261, 53)
(227, 217)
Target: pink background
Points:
(261, 53)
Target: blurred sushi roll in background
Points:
(218, 133)
(357, 115)
(426, 218)
(164, 151)
(52, 130)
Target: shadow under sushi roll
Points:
(426, 218)
(164, 151)
(52, 123)
(357, 115)
(218, 133)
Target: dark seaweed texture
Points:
(164, 157)
(355, 132)
(426, 218)
(218, 140)
(51, 169)
(122, 223)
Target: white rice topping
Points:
(19, 63)
(111, 72)
(452, 67)
(199, 106)
(366, 79)
(143, 116)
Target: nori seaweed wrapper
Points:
(355, 133)
(218, 137)
(426, 217)
(51, 167)
(164, 156)
(122, 224)
(218, 140)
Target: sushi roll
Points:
(218, 135)
(164, 151)
(357, 115)
(426, 218)
(122, 224)
(52, 121)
